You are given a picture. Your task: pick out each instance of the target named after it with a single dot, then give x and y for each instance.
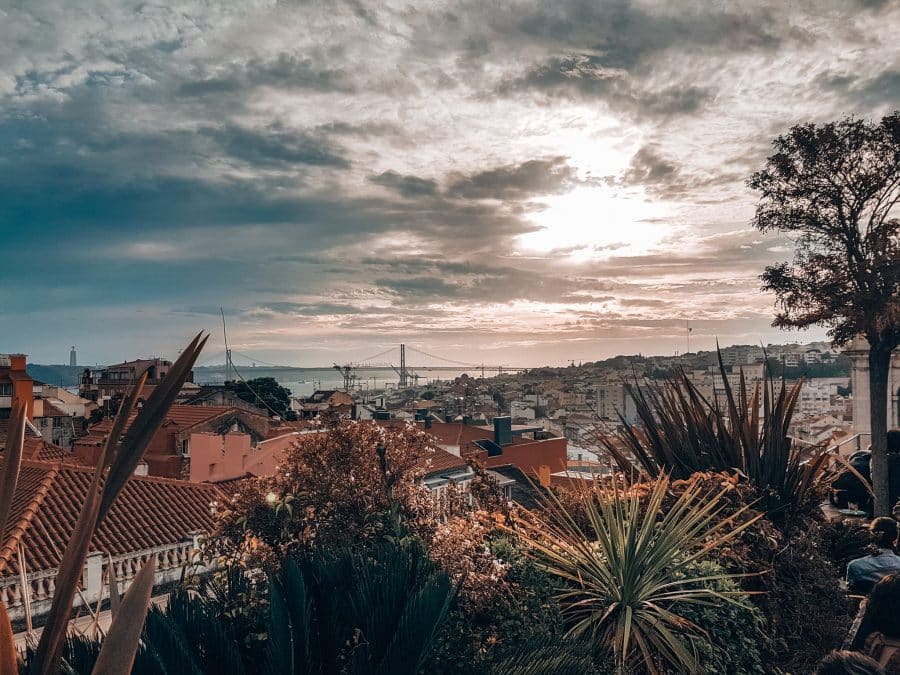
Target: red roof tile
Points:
(149, 512)
(442, 461)
(4, 428)
(182, 416)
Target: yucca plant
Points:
(681, 433)
(121, 455)
(621, 582)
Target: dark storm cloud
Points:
(625, 33)
(408, 186)
(586, 76)
(423, 280)
(531, 178)
(880, 89)
(649, 167)
(275, 145)
(665, 178)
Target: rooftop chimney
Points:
(503, 430)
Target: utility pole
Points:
(687, 325)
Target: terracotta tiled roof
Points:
(454, 433)
(30, 432)
(42, 450)
(181, 416)
(230, 485)
(442, 461)
(149, 512)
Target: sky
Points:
(504, 182)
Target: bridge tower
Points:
(404, 374)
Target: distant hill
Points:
(62, 376)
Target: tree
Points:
(335, 488)
(835, 189)
(264, 392)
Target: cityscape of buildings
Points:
(541, 425)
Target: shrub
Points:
(681, 433)
(623, 582)
(732, 631)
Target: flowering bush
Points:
(460, 546)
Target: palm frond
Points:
(121, 643)
(113, 469)
(12, 461)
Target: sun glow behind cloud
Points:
(596, 222)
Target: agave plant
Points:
(621, 584)
(680, 433)
(121, 455)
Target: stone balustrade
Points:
(171, 560)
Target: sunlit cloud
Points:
(557, 180)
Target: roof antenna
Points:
(227, 350)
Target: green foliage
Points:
(834, 187)
(732, 631)
(808, 613)
(515, 624)
(263, 392)
(792, 580)
(839, 367)
(352, 612)
(622, 583)
(681, 433)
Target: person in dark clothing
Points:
(883, 614)
(847, 488)
(877, 634)
(863, 573)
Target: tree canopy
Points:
(834, 188)
(264, 392)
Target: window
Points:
(6, 389)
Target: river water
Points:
(304, 381)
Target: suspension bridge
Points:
(409, 363)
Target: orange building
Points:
(169, 451)
(504, 444)
(16, 385)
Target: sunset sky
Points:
(516, 182)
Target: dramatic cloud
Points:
(531, 178)
(515, 181)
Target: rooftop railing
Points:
(32, 599)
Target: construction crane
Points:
(407, 376)
(347, 373)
